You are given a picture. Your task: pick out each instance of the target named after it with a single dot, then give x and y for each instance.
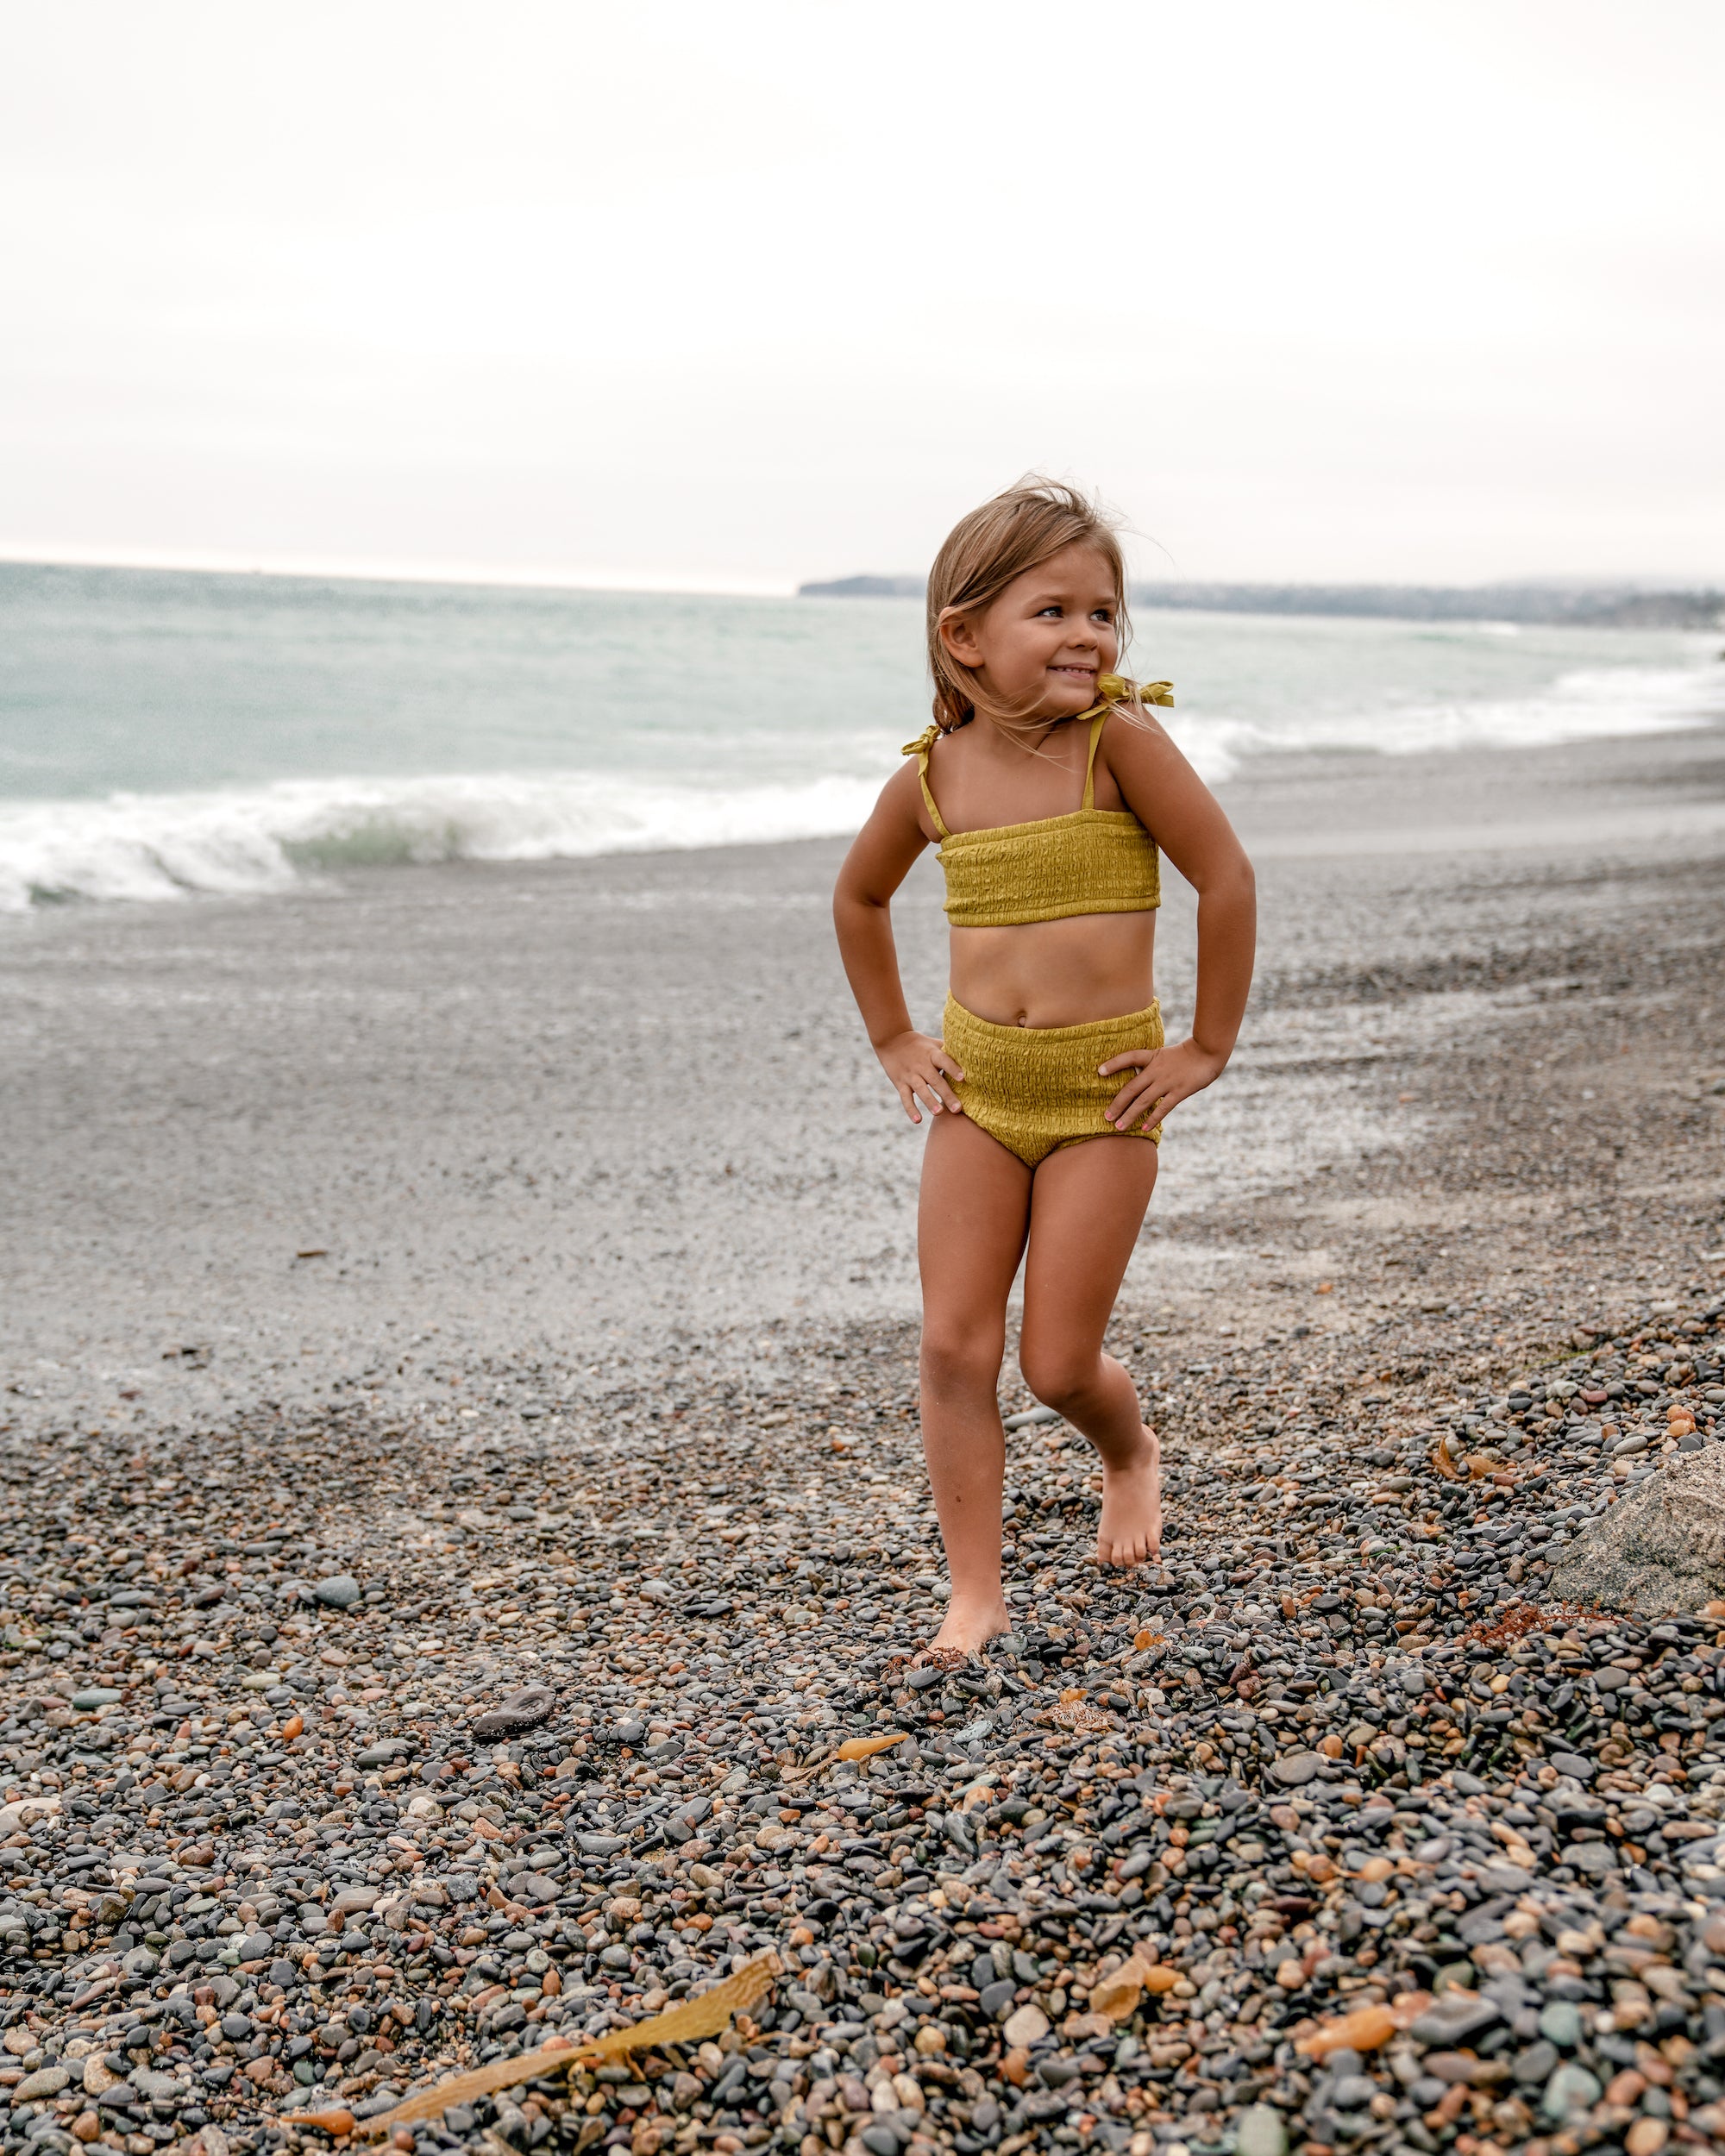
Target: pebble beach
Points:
(1361, 1819)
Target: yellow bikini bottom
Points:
(1036, 1087)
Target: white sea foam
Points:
(263, 839)
(1589, 704)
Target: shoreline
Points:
(558, 1108)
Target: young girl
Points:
(1048, 788)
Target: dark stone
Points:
(525, 1709)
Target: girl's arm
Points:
(1181, 813)
(876, 866)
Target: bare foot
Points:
(969, 1629)
(1130, 1529)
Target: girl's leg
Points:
(971, 1220)
(1087, 1206)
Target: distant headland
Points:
(1576, 605)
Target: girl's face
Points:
(1047, 636)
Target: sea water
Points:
(164, 733)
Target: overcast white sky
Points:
(671, 292)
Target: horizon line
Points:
(673, 583)
(372, 569)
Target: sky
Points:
(673, 295)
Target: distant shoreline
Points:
(1561, 606)
(1554, 604)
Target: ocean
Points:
(168, 733)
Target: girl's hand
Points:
(1166, 1076)
(918, 1066)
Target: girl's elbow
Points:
(854, 903)
(1231, 883)
(1235, 880)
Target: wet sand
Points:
(537, 1120)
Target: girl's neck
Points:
(1025, 734)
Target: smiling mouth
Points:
(1076, 674)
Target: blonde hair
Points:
(983, 553)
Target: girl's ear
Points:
(958, 633)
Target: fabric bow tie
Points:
(1114, 688)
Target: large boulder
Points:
(1659, 1551)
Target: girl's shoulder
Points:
(933, 735)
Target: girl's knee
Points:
(954, 1361)
(1057, 1377)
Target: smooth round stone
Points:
(94, 1696)
(1261, 2132)
(1536, 2064)
(341, 1591)
(1560, 2023)
(46, 2081)
(1595, 1858)
(1028, 2026)
(1571, 2088)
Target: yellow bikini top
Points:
(1089, 861)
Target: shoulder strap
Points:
(1096, 725)
(919, 748)
(1111, 688)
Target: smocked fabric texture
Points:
(1037, 1088)
(1089, 861)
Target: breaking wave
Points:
(257, 841)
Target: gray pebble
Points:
(1571, 2088)
(1560, 2023)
